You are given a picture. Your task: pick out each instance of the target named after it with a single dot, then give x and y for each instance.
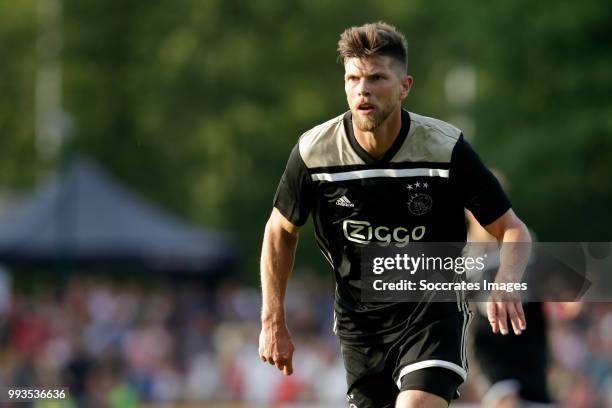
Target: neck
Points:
(377, 141)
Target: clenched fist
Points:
(276, 347)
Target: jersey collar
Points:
(362, 153)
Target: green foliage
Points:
(544, 111)
(17, 79)
(196, 104)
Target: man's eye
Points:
(376, 77)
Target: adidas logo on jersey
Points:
(344, 202)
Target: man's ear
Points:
(407, 81)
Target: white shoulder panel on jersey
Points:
(327, 145)
(429, 140)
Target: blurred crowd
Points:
(121, 342)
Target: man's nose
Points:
(363, 88)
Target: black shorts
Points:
(514, 364)
(427, 355)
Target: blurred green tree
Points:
(18, 37)
(196, 104)
(544, 110)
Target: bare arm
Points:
(277, 256)
(514, 239)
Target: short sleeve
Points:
(295, 193)
(478, 188)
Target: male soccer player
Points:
(380, 174)
(516, 377)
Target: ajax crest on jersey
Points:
(419, 203)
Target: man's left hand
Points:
(503, 305)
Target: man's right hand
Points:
(276, 347)
(277, 254)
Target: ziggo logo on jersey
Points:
(363, 232)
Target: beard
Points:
(373, 121)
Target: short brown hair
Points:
(373, 39)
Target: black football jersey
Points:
(417, 192)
